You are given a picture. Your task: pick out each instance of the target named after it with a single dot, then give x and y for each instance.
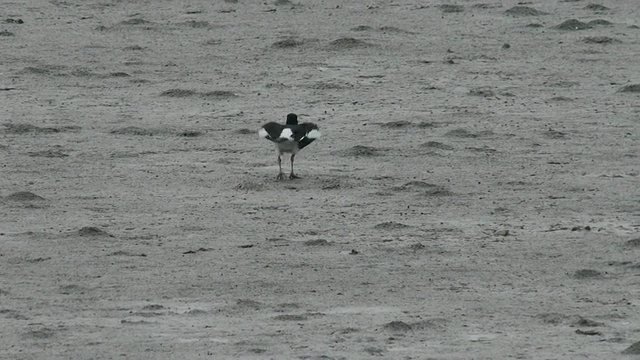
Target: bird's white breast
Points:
(287, 146)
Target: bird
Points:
(289, 138)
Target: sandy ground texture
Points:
(475, 194)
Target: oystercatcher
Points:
(289, 138)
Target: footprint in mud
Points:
(348, 43)
(395, 30)
(290, 317)
(596, 7)
(518, 11)
(134, 130)
(633, 243)
(245, 131)
(358, 151)
(361, 28)
(12, 314)
(399, 327)
(287, 44)
(209, 95)
(554, 134)
(42, 333)
(248, 304)
(633, 88)
(317, 242)
(93, 232)
(136, 21)
(436, 145)
(190, 133)
(48, 154)
(600, 22)
(73, 289)
(197, 24)
(391, 225)
(218, 95)
(634, 349)
(602, 40)
(178, 93)
(587, 274)
(28, 129)
(466, 134)
(423, 188)
(253, 185)
(553, 318)
(450, 8)
(396, 124)
(138, 131)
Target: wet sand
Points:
(474, 195)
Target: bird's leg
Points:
(292, 175)
(280, 174)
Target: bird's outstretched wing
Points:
(304, 134)
(274, 132)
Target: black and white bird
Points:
(289, 138)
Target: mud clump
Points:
(601, 40)
(587, 274)
(24, 196)
(397, 327)
(596, 7)
(450, 8)
(633, 88)
(178, 93)
(286, 44)
(599, 22)
(219, 94)
(634, 349)
(633, 243)
(523, 11)
(572, 25)
(92, 231)
(396, 124)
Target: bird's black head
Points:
(292, 119)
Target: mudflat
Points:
(475, 194)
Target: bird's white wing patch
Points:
(313, 134)
(286, 134)
(263, 133)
